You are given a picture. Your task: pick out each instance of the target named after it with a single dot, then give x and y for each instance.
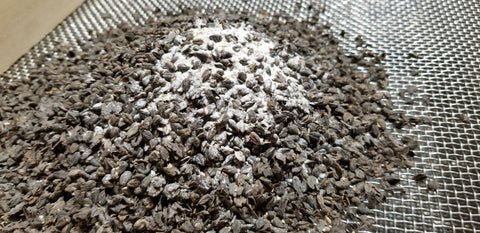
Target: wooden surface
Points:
(25, 22)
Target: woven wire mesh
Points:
(445, 35)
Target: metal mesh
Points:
(446, 36)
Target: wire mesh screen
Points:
(446, 37)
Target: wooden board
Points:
(25, 22)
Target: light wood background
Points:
(25, 22)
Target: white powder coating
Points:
(245, 45)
